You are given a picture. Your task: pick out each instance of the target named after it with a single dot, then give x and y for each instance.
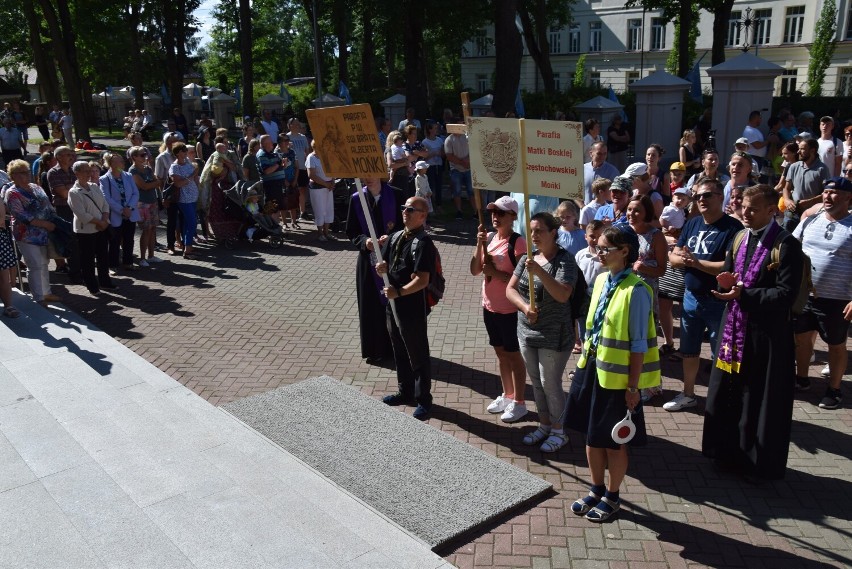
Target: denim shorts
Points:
(457, 179)
(698, 315)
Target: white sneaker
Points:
(155, 260)
(144, 263)
(514, 411)
(498, 405)
(825, 372)
(681, 401)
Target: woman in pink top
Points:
(496, 255)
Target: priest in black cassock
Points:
(749, 409)
(384, 204)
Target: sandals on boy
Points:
(554, 442)
(582, 506)
(536, 436)
(599, 514)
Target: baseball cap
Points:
(838, 183)
(505, 203)
(421, 165)
(683, 192)
(742, 140)
(804, 136)
(622, 184)
(636, 169)
(678, 167)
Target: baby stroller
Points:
(344, 188)
(263, 225)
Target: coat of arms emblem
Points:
(499, 154)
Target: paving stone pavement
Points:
(245, 321)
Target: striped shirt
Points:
(829, 246)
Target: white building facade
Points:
(623, 45)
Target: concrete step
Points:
(105, 461)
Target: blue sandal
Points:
(605, 509)
(582, 506)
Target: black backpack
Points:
(437, 283)
(513, 238)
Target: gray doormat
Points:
(431, 484)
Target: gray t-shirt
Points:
(554, 328)
(807, 180)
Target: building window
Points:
(481, 82)
(788, 82)
(763, 26)
(658, 34)
(594, 36)
(632, 77)
(844, 82)
(557, 82)
(794, 23)
(555, 39)
(574, 38)
(595, 79)
(480, 43)
(849, 23)
(634, 35)
(733, 38)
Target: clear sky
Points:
(204, 13)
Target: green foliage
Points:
(672, 60)
(822, 49)
(580, 72)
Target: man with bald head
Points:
(410, 259)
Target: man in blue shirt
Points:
(597, 168)
(700, 251)
(11, 141)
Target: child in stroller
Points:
(259, 221)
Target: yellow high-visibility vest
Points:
(613, 351)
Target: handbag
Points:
(171, 193)
(624, 430)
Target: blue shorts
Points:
(698, 315)
(457, 179)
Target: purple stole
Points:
(733, 338)
(387, 203)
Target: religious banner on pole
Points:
(347, 142)
(547, 154)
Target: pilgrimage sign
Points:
(539, 157)
(347, 141)
(542, 157)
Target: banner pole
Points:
(477, 201)
(527, 210)
(372, 230)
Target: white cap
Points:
(636, 169)
(421, 165)
(742, 140)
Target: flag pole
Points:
(527, 211)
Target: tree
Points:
(42, 53)
(537, 16)
(822, 49)
(508, 53)
(721, 10)
(580, 72)
(58, 19)
(246, 56)
(674, 60)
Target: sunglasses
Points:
(408, 209)
(847, 172)
(705, 195)
(605, 250)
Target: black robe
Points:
(375, 341)
(749, 413)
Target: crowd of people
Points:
(712, 231)
(734, 240)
